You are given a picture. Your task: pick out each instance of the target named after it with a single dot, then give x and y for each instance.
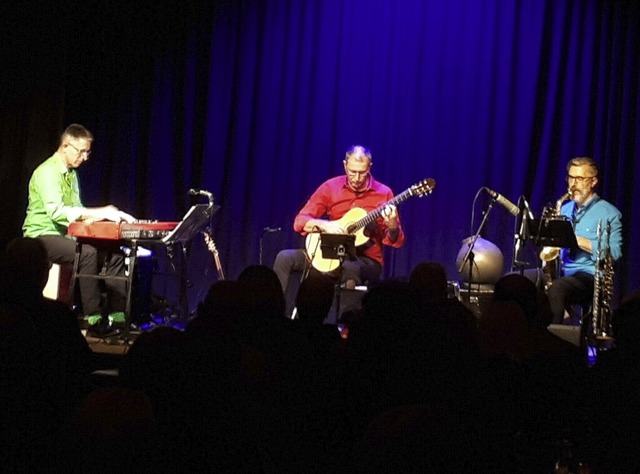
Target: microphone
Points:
(504, 202)
(268, 230)
(200, 192)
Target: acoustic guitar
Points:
(355, 221)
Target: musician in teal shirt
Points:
(585, 210)
(54, 202)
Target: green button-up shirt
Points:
(54, 199)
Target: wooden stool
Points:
(57, 287)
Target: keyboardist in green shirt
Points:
(55, 202)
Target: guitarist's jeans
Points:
(363, 269)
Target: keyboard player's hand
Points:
(112, 213)
(127, 217)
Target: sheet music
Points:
(196, 219)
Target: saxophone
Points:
(602, 285)
(549, 256)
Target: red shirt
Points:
(334, 198)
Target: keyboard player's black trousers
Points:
(92, 262)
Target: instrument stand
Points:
(211, 245)
(338, 247)
(469, 255)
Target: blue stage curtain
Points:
(257, 101)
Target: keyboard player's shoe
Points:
(117, 320)
(117, 317)
(100, 327)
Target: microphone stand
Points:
(469, 256)
(520, 238)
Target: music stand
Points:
(338, 247)
(196, 219)
(552, 233)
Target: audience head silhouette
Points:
(314, 298)
(431, 279)
(265, 290)
(27, 263)
(520, 290)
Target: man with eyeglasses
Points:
(54, 202)
(585, 209)
(322, 213)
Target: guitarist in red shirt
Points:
(353, 203)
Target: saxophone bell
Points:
(548, 254)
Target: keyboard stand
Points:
(128, 278)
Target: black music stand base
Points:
(338, 247)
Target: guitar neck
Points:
(214, 253)
(377, 212)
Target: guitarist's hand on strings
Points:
(390, 216)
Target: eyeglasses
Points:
(80, 152)
(578, 179)
(354, 174)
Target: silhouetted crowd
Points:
(411, 382)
